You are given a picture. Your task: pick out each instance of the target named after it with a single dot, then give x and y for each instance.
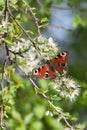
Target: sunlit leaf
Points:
(39, 111)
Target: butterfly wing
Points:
(45, 72)
(60, 62)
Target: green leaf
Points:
(78, 21)
(72, 3)
(17, 116)
(8, 42)
(55, 98)
(54, 124)
(39, 111)
(2, 3)
(28, 118)
(18, 16)
(21, 127)
(42, 91)
(44, 20)
(36, 125)
(43, 83)
(66, 114)
(13, 1)
(30, 32)
(48, 3)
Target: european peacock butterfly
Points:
(48, 70)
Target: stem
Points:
(5, 25)
(33, 43)
(2, 89)
(39, 3)
(57, 109)
(5, 17)
(33, 14)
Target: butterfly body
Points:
(48, 70)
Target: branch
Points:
(5, 17)
(5, 25)
(33, 14)
(18, 24)
(39, 3)
(33, 43)
(57, 109)
(2, 89)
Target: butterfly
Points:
(51, 67)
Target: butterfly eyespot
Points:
(35, 71)
(49, 70)
(62, 53)
(46, 75)
(63, 65)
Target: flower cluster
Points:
(48, 47)
(30, 57)
(66, 87)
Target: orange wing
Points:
(60, 62)
(45, 72)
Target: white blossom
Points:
(30, 59)
(66, 87)
(48, 113)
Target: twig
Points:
(18, 52)
(18, 24)
(2, 88)
(5, 17)
(33, 14)
(36, 87)
(51, 104)
(60, 112)
(5, 25)
(23, 12)
(33, 43)
(57, 109)
(39, 3)
(31, 80)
